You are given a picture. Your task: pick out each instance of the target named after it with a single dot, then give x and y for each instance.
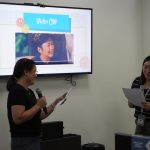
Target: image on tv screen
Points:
(45, 48)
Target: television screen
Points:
(58, 39)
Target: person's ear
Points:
(25, 73)
(39, 50)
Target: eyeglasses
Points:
(146, 67)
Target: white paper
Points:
(68, 92)
(135, 96)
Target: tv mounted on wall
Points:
(58, 39)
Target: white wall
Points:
(96, 108)
(146, 26)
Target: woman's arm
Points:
(52, 106)
(20, 115)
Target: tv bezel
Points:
(56, 6)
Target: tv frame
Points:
(54, 6)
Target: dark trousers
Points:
(25, 143)
(145, 130)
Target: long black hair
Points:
(142, 77)
(21, 65)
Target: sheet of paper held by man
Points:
(135, 96)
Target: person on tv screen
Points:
(48, 48)
(24, 110)
(142, 115)
(44, 45)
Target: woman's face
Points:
(146, 70)
(31, 75)
(47, 50)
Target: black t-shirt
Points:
(18, 95)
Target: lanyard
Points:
(142, 88)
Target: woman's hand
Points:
(130, 105)
(52, 106)
(59, 99)
(146, 105)
(41, 102)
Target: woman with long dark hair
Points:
(24, 109)
(142, 115)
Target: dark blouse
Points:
(18, 95)
(138, 110)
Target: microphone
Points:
(39, 93)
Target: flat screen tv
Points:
(58, 39)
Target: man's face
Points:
(47, 49)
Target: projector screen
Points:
(58, 39)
